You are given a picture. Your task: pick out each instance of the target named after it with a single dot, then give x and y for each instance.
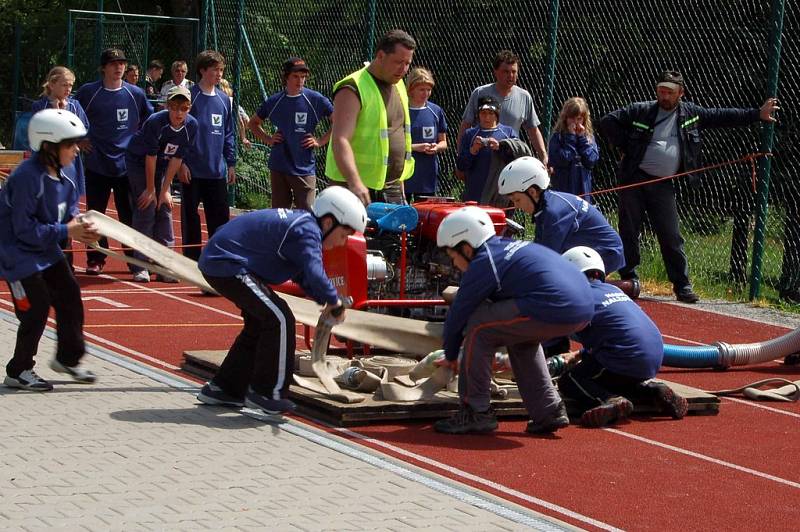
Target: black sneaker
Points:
(28, 380)
(686, 295)
(668, 401)
(211, 394)
(77, 373)
(94, 268)
(612, 410)
(467, 420)
(270, 406)
(558, 419)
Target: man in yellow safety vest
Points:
(370, 148)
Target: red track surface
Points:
(738, 470)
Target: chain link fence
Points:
(143, 38)
(608, 53)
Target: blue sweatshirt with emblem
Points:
(274, 244)
(214, 146)
(621, 336)
(158, 138)
(34, 210)
(115, 115)
(564, 221)
(544, 285)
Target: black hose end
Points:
(792, 360)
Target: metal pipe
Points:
(403, 236)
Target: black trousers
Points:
(54, 287)
(658, 202)
(262, 356)
(214, 195)
(98, 191)
(589, 383)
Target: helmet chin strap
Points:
(536, 204)
(458, 249)
(334, 225)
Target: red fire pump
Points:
(396, 266)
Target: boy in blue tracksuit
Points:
(622, 351)
(562, 220)
(428, 135)
(116, 110)
(154, 157)
(295, 112)
(211, 166)
(267, 247)
(515, 294)
(38, 209)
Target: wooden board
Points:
(317, 406)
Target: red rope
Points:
(750, 157)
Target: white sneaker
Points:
(142, 276)
(28, 380)
(77, 373)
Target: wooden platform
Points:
(205, 363)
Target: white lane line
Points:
(762, 407)
(110, 343)
(478, 480)
(706, 458)
(172, 296)
(115, 309)
(683, 339)
(139, 287)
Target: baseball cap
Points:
(111, 55)
(671, 79)
(295, 64)
(179, 91)
(490, 104)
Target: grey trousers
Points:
(499, 324)
(153, 222)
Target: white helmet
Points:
(54, 125)
(586, 259)
(521, 174)
(468, 224)
(343, 205)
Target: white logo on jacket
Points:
(170, 149)
(216, 120)
(428, 132)
(122, 115)
(301, 119)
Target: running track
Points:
(738, 470)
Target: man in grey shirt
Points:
(516, 104)
(659, 139)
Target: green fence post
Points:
(775, 31)
(98, 32)
(369, 46)
(200, 39)
(237, 81)
(16, 74)
(146, 56)
(253, 61)
(550, 72)
(70, 42)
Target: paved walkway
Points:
(135, 452)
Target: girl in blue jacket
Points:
(38, 209)
(572, 150)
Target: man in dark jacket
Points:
(657, 139)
